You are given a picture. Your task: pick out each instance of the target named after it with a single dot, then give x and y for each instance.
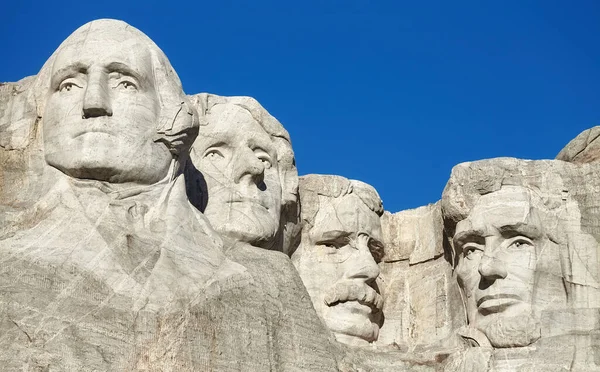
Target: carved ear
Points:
(177, 126)
(288, 173)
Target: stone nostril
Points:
(95, 112)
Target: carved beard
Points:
(516, 331)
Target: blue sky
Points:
(392, 93)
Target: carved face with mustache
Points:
(337, 261)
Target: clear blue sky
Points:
(393, 93)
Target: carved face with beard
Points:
(496, 247)
(337, 260)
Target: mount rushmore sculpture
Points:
(146, 229)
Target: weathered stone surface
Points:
(242, 176)
(243, 173)
(524, 244)
(414, 234)
(338, 254)
(585, 148)
(144, 229)
(106, 264)
(17, 113)
(421, 302)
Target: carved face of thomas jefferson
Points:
(239, 162)
(102, 109)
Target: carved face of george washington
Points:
(102, 109)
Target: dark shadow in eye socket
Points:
(262, 186)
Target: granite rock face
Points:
(422, 303)
(338, 253)
(523, 237)
(143, 229)
(242, 174)
(585, 148)
(106, 264)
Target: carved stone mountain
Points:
(143, 229)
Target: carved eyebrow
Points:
(216, 143)
(530, 231)
(66, 71)
(212, 139)
(462, 237)
(333, 235)
(124, 69)
(263, 144)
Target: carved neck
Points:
(94, 195)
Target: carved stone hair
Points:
(288, 173)
(177, 125)
(313, 185)
(559, 211)
(469, 181)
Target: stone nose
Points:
(491, 268)
(361, 265)
(247, 166)
(96, 99)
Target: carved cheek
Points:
(466, 272)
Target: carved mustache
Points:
(354, 291)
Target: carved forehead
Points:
(98, 37)
(347, 213)
(104, 30)
(106, 41)
(313, 186)
(508, 203)
(233, 119)
(231, 124)
(511, 207)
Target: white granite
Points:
(143, 229)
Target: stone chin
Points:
(515, 331)
(97, 165)
(100, 156)
(349, 326)
(239, 226)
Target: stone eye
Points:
(213, 154)
(470, 251)
(266, 162)
(264, 159)
(67, 86)
(520, 243)
(127, 85)
(331, 246)
(335, 244)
